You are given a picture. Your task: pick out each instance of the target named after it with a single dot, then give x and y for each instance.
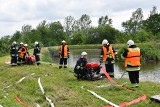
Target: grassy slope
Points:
(63, 89)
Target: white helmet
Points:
(14, 43)
(63, 41)
(35, 42)
(130, 42)
(83, 54)
(21, 43)
(25, 45)
(105, 41)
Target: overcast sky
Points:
(15, 13)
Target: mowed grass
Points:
(63, 88)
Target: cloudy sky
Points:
(15, 13)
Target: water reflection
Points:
(150, 71)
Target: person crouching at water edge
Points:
(80, 67)
(63, 54)
(108, 57)
(132, 62)
(87, 71)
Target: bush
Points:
(149, 51)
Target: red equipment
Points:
(92, 72)
(30, 59)
(93, 65)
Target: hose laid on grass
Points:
(18, 81)
(37, 105)
(40, 85)
(144, 97)
(131, 102)
(111, 80)
(50, 102)
(24, 78)
(103, 99)
(21, 101)
(7, 87)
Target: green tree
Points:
(69, 24)
(143, 36)
(76, 39)
(153, 11)
(134, 23)
(26, 29)
(85, 22)
(17, 36)
(152, 23)
(56, 33)
(5, 45)
(42, 33)
(104, 20)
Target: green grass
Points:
(63, 88)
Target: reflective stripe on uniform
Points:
(133, 68)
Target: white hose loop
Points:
(50, 102)
(40, 85)
(93, 93)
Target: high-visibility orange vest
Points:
(65, 50)
(133, 57)
(106, 54)
(22, 51)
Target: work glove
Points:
(81, 68)
(59, 56)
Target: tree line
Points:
(81, 31)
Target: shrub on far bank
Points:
(149, 51)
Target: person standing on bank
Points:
(21, 53)
(132, 62)
(14, 53)
(108, 57)
(63, 54)
(36, 52)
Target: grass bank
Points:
(63, 89)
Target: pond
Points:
(150, 71)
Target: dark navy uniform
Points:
(14, 54)
(80, 67)
(36, 53)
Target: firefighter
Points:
(27, 52)
(80, 67)
(14, 53)
(63, 54)
(36, 52)
(132, 62)
(108, 57)
(21, 54)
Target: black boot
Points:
(60, 67)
